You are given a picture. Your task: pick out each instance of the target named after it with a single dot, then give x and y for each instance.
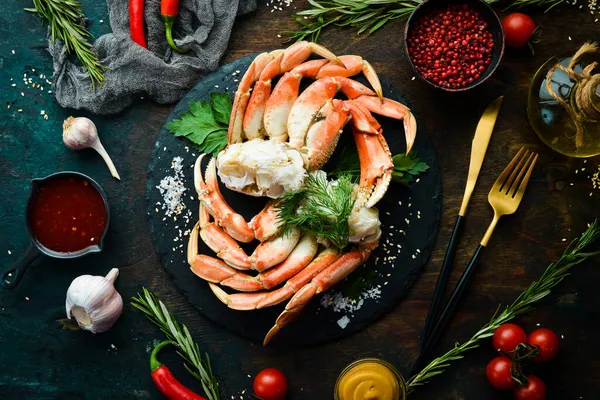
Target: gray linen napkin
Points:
(203, 26)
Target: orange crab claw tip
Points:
(272, 332)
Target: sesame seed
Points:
(12, 51)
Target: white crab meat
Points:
(261, 168)
(364, 224)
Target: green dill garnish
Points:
(319, 208)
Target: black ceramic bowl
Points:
(11, 275)
(486, 13)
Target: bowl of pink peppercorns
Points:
(454, 45)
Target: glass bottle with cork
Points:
(564, 103)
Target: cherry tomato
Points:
(547, 342)
(499, 374)
(270, 384)
(508, 336)
(534, 390)
(518, 29)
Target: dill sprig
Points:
(66, 22)
(196, 365)
(320, 208)
(576, 253)
(366, 15)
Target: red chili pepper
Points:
(136, 22)
(169, 10)
(166, 382)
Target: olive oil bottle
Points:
(564, 103)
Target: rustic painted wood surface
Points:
(44, 357)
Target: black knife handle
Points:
(438, 293)
(454, 300)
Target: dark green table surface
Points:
(44, 357)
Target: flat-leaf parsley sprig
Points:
(206, 123)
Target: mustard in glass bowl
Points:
(370, 379)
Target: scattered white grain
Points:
(12, 51)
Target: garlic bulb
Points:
(81, 133)
(94, 301)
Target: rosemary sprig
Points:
(367, 15)
(319, 208)
(66, 22)
(200, 368)
(552, 276)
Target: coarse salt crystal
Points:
(343, 322)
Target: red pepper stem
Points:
(169, 22)
(154, 363)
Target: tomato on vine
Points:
(535, 389)
(499, 373)
(547, 341)
(507, 337)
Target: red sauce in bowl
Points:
(67, 214)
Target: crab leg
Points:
(265, 224)
(308, 104)
(323, 135)
(252, 301)
(220, 242)
(330, 276)
(210, 195)
(298, 259)
(275, 250)
(395, 110)
(242, 95)
(376, 164)
(250, 115)
(317, 94)
(286, 91)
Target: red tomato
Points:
(547, 342)
(498, 373)
(507, 337)
(534, 390)
(518, 29)
(270, 384)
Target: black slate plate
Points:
(409, 215)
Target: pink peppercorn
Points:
(451, 46)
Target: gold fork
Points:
(505, 197)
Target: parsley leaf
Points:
(206, 123)
(406, 167)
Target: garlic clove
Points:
(81, 133)
(94, 302)
(111, 167)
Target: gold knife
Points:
(483, 133)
